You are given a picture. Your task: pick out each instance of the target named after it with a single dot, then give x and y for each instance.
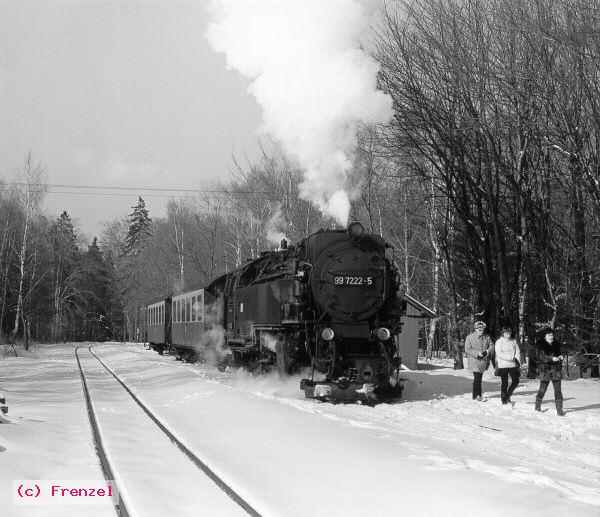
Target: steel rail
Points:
(119, 505)
(227, 489)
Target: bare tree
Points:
(31, 198)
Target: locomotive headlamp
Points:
(383, 334)
(327, 334)
(355, 229)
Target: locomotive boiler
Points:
(328, 305)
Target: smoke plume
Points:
(312, 80)
(274, 226)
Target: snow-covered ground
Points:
(437, 452)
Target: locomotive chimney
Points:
(283, 244)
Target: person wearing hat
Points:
(508, 358)
(549, 357)
(477, 347)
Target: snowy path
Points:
(143, 458)
(377, 454)
(49, 434)
(435, 453)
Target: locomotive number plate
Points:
(353, 280)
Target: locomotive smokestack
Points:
(283, 244)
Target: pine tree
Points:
(133, 270)
(66, 286)
(97, 278)
(139, 228)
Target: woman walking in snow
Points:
(549, 357)
(508, 359)
(477, 346)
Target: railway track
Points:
(218, 488)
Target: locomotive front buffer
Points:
(341, 390)
(362, 369)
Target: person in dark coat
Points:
(477, 347)
(549, 358)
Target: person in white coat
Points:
(508, 361)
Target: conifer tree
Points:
(139, 228)
(133, 268)
(66, 288)
(97, 277)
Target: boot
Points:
(559, 408)
(538, 404)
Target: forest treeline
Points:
(486, 182)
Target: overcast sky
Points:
(114, 93)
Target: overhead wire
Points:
(48, 189)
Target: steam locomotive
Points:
(328, 305)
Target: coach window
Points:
(187, 309)
(193, 313)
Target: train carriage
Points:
(188, 325)
(158, 324)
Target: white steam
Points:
(274, 226)
(312, 80)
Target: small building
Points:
(413, 327)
